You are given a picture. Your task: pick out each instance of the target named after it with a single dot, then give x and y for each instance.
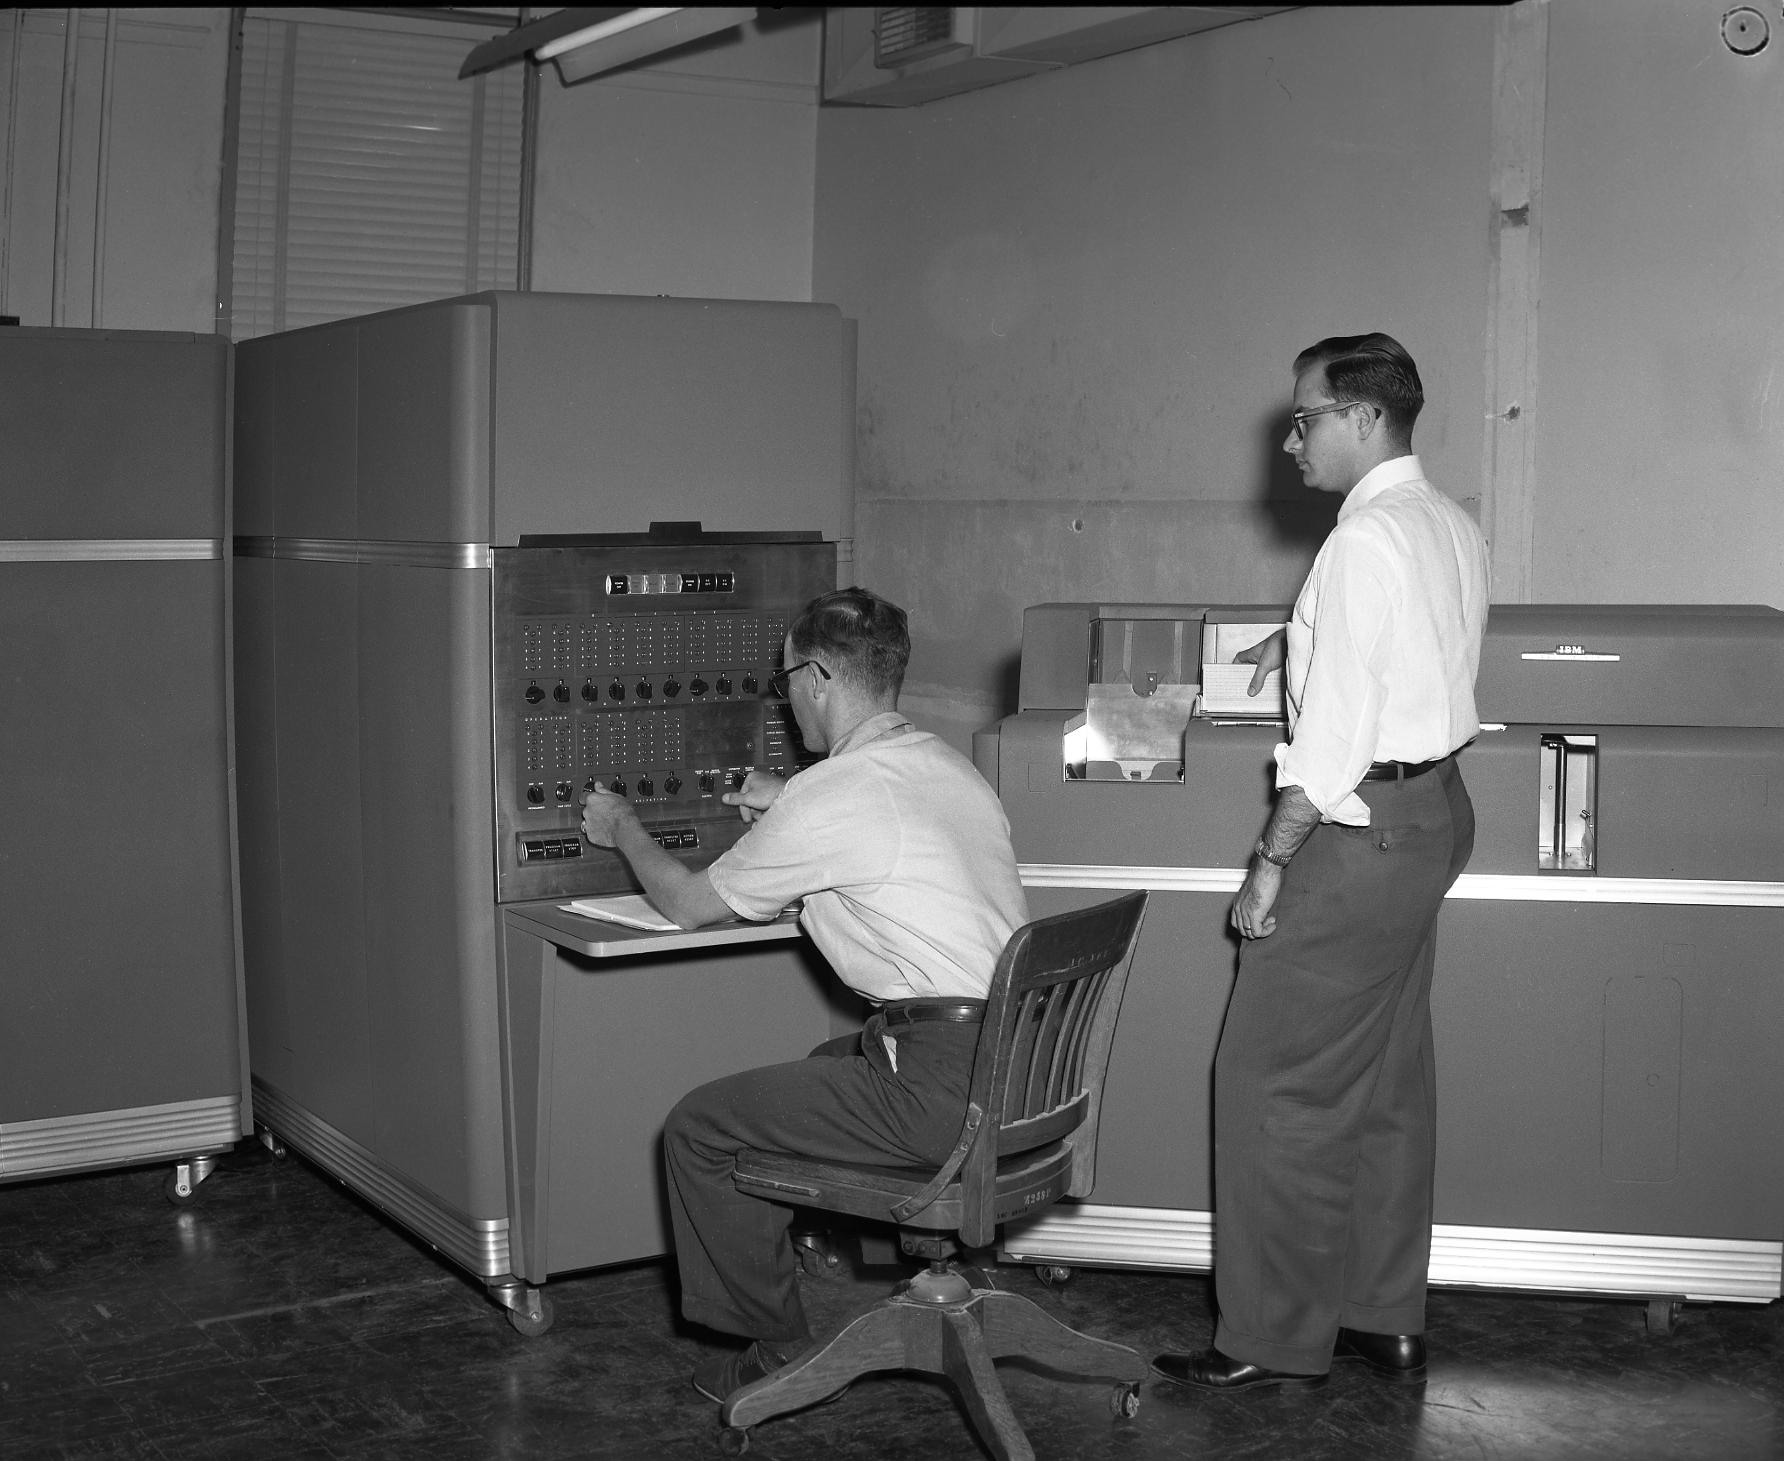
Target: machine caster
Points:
(275, 1148)
(1054, 1275)
(818, 1256)
(1124, 1401)
(1663, 1315)
(531, 1323)
(734, 1440)
(529, 1310)
(181, 1186)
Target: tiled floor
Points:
(279, 1317)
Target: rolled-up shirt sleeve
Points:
(770, 867)
(1337, 697)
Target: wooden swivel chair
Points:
(1029, 1138)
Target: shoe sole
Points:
(1276, 1382)
(1384, 1372)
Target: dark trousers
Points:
(844, 1103)
(1325, 1086)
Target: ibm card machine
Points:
(490, 552)
(1609, 1000)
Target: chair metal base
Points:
(947, 1322)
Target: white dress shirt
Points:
(901, 851)
(1385, 640)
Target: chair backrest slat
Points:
(1044, 1046)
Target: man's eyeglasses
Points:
(777, 682)
(1299, 419)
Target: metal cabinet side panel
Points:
(113, 434)
(425, 821)
(611, 412)
(423, 390)
(320, 977)
(1155, 1139)
(1610, 1069)
(257, 803)
(624, 1049)
(117, 950)
(313, 407)
(1673, 802)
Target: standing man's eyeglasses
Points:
(777, 682)
(1299, 419)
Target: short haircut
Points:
(862, 639)
(1373, 368)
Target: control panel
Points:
(644, 668)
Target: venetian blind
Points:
(367, 174)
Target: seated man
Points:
(902, 855)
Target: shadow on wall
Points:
(1293, 515)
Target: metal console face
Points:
(644, 669)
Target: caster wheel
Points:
(734, 1440)
(275, 1148)
(819, 1260)
(1124, 1401)
(534, 1316)
(181, 1192)
(1054, 1275)
(1663, 1315)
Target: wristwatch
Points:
(1265, 853)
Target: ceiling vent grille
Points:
(906, 33)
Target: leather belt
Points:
(956, 1011)
(1400, 770)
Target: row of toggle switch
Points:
(706, 782)
(644, 690)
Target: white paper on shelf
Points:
(631, 909)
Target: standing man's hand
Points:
(1251, 914)
(1267, 654)
(1291, 823)
(760, 791)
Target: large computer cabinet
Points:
(454, 613)
(121, 1025)
(1608, 1003)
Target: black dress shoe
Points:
(1396, 1357)
(1212, 1370)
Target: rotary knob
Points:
(672, 784)
(644, 690)
(671, 687)
(534, 693)
(561, 693)
(646, 787)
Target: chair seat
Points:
(1025, 1182)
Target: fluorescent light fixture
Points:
(619, 25)
(583, 41)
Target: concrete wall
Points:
(1080, 294)
(1660, 444)
(692, 176)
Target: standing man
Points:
(902, 854)
(1324, 1086)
